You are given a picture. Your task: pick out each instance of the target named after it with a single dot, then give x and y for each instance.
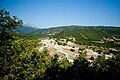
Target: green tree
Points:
(7, 24)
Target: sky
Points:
(52, 13)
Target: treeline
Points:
(99, 43)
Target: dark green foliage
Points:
(21, 60)
(7, 21)
(72, 50)
(91, 58)
(7, 24)
(101, 69)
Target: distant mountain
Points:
(25, 29)
(80, 32)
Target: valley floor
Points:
(69, 51)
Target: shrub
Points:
(72, 50)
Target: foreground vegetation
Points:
(20, 59)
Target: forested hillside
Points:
(25, 29)
(90, 32)
(80, 32)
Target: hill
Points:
(25, 29)
(80, 32)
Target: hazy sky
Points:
(51, 13)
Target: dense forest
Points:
(21, 60)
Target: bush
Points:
(72, 50)
(91, 58)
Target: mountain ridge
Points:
(79, 32)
